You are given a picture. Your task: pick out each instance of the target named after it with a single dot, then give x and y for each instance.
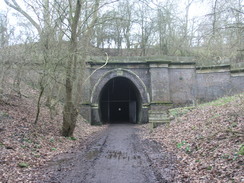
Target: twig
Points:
(106, 62)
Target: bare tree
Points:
(4, 33)
(70, 112)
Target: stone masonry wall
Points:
(182, 83)
(217, 81)
(162, 83)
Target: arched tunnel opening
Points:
(119, 101)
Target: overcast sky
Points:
(196, 10)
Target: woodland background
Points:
(47, 46)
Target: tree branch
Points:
(16, 6)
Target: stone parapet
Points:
(158, 113)
(214, 68)
(237, 72)
(158, 117)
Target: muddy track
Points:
(117, 155)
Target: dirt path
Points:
(115, 156)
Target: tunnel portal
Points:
(119, 101)
(142, 91)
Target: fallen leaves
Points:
(25, 147)
(208, 142)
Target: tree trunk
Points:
(70, 112)
(38, 105)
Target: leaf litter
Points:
(208, 142)
(25, 147)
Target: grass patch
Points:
(4, 114)
(23, 165)
(241, 150)
(71, 138)
(177, 112)
(53, 149)
(184, 145)
(220, 102)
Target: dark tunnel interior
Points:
(119, 101)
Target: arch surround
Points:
(135, 79)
